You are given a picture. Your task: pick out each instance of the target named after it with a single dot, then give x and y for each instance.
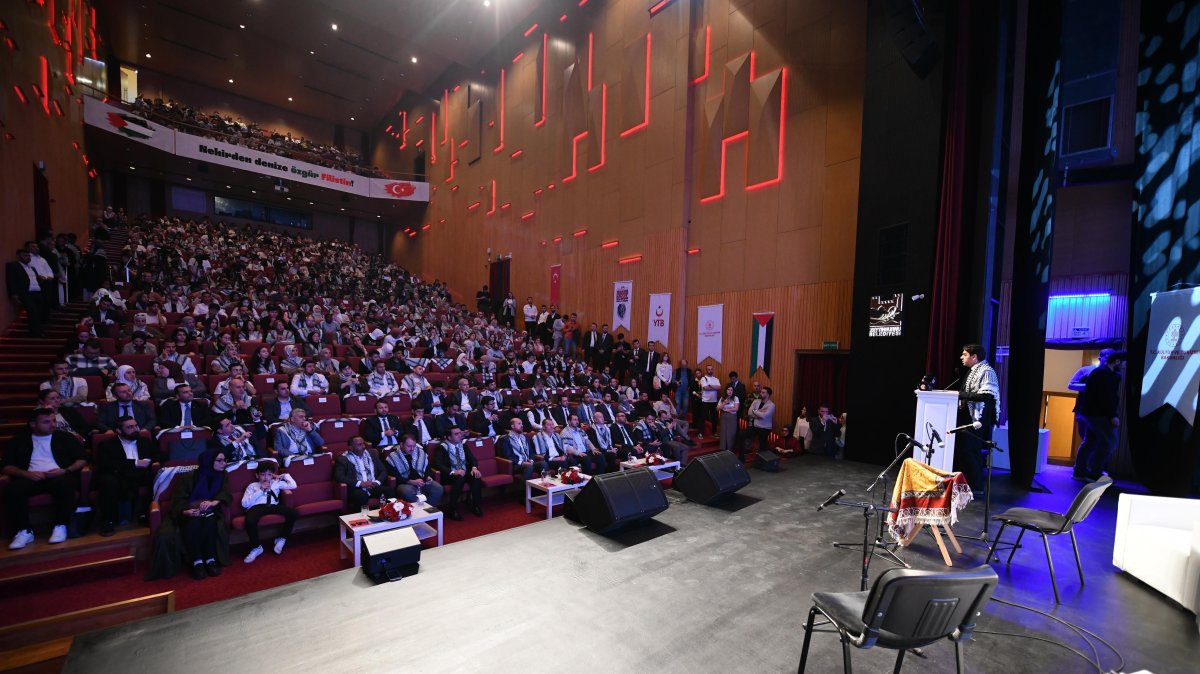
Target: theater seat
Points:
(360, 404)
(143, 364)
(324, 406)
(496, 471)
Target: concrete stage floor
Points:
(700, 589)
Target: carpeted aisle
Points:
(308, 554)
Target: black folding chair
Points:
(1049, 523)
(905, 609)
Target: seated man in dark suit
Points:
(125, 406)
(280, 407)
(183, 410)
(464, 393)
(238, 443)
(42, 460)
(421, 427)
(363, 473)
(459, 469)
(561, 413)
(453, 418)
(485, 421)
(626, 438)
(383, 429)
(518, 450)
(124, 465)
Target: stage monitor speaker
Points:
(712, 476)
(766, 460)
(391, 555)
(613, 500)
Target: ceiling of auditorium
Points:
(276, 49)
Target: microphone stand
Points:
(880, 547)
(867, 546)
(989, 447)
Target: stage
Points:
(700, 589)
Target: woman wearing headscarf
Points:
(196, 509)
(126, 375)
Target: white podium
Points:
(938, 409)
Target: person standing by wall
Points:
(1100, 408)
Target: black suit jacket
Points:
(110, 456)
(445, 422)
(441, 460)
(271, 408)
(16, 279)
(619, 439)
(66, 449)
(410, 428)
(142, 412)
(345, 472)
(477, 422)
(560, 417)
(456, 397)
(372, 428)
(170, 414)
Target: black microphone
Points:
(951, 384)
(829, 501)
(933, 434)
(912, 440)
(973, 426)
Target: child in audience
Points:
(263, 498)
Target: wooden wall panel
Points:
(786, 246)
(38, 136)
(805, 316)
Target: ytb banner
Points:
(659, 326)
(622, 297)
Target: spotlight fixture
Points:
(289, 99)
(231, 80)
(242, 26)
(414, 59)
(333, 26)
(351, 119)
(147, 54)
(487, 3)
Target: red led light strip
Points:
(629, 260)
(518, 56)
(516, 153)
(445, 116)
(473, 205)
(646, 118)
(493, 199)
(603, 129)
(432, 138)
(526, 216)
(590, 39)
(782, 136)
(707, 54)
(574, 156)
(426, 227)
(44, 92)
(530, 30)
(404, 126)
(660, 6)
(693, 251)
(545, 43)
(500, 147)
(558, 239)
(610, 244)
(20, 94)
(580, 232)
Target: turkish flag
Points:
(555, 281)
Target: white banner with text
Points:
(709, 332)
(659, 326)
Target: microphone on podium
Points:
(829, 501)
(973, 426)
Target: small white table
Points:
(553, 492)
(351, 535)
(662, 471)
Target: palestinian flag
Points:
(128, 125)
(760, 342)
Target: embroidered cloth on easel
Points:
(926, 495)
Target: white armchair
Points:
(1158, 542)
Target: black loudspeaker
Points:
(910, 31)
(613, 500)
(391, 555)
(712, 476)
(766, 460)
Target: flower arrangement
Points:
(571, 476)
(395, 510)
(655, 459)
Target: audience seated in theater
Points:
(460, 471)
(65, 418)
(421, 426)
(170, 354)
(453, 418)
(413, 470)
(382, 429)
(263, 497)
(124, 471)
(363, 473)
(382, 382)
(126, 375)
(525, 459)
(91, 361)
(308, 381)
(74, 390)
(238, 405)
(169, 376)
(626, 438)
(485, 421)
(199, 532)
(41, 460)
(182, 411)
(547, 443)
(262, 362)
(298, 435)
(237, 442)
(236, 371)
(123, 405)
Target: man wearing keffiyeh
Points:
(978, 401)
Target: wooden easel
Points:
(937, 536)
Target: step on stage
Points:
(699, 589)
